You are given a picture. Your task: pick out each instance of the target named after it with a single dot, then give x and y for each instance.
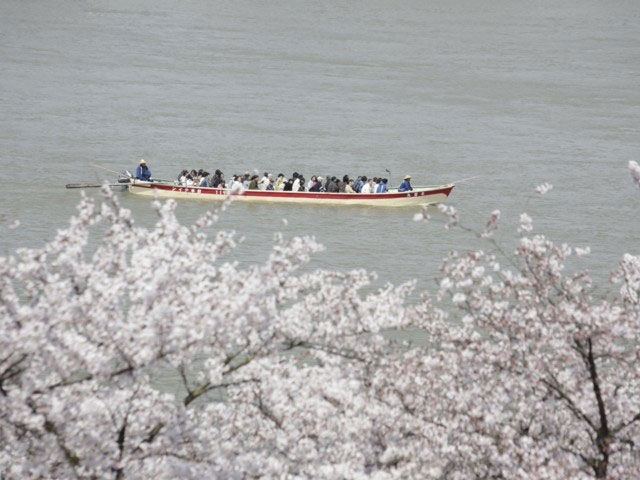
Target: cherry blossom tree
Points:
(84, 334)
(532, 376)
(290, 373)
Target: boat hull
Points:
(419, 196)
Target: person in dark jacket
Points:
(342, 186)
(217, 178)
(405, 186)
(317, 186)
(332, 185)
(143, 172)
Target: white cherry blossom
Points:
(520, 370)
(544, 188)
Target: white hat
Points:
(407, 177)
(142, 161)
(319, 179)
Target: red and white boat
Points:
(393, 198)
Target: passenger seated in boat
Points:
(280, 181)
(405, 186)
(359, 184)
(288, 185)
(217, 178)
(204, 181)
(317, 186)
(348, 188)
(296, 182)
(343, 184)
(236, 187)
(301, 187)
(143, 172)
(382, 186)
(265, 181)
(246, 180)
(374, 184)
(367, 187)
(183, 176)
(332, 185)
(189, 181)
(253, 183)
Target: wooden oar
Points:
(90, 185)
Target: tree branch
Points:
(572, 406)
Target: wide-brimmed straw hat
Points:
(142, 161)
(407, 177)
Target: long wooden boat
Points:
(393, 198)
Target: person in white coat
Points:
(265, 181)
(296, 182)
(366, 188)
(236, 187)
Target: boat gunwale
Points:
(390, 194)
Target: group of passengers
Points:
(296, 183)
(202, 178)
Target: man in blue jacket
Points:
(405, 186)
(382, 186)
(143, 172)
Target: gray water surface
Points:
(515, 92)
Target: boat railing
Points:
(178, 183)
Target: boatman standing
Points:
(143, 172)
(405, 186)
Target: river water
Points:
(514, 92)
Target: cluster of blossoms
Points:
(85, 334)
(544, 188)
(291, 373)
